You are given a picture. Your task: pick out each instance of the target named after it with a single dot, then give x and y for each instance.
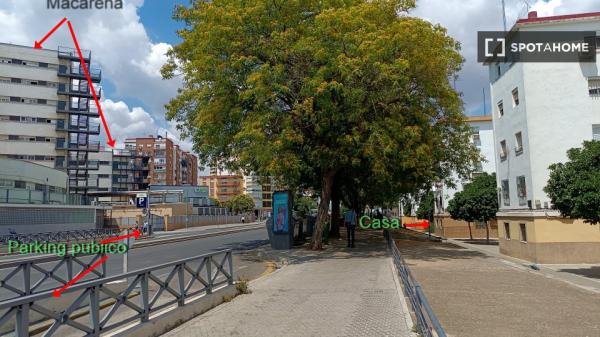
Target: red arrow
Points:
(111, 141)
(58, 292)
(38, 45)
(136, 233)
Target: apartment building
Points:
(253, 188)
(130, 170)
(169, 165)
(483, 138)
(47, 113)
(541, 110)
(223, 187)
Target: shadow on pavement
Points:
(434, 251)
(592, 272)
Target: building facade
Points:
(541, 110)
(483, 139)
(47, 112)
(223, 187)
(167, 164)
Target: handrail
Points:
(179, 280)
(427, 322)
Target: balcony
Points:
(79, 90)
(92, 147)
(91, 128)
(69, 53)
(83, 164)
(79, 73)
(82, 109)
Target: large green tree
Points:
(302, 89)
(426, 207)
(241, 203)
(477, 202)
(574, 186)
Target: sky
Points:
(130, 45)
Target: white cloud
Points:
(154, 61)
(125, 122)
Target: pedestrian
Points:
(243, 219)
(350, 223)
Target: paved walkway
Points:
(336, 292)
(474, 293)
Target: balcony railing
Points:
(91, 128)
(79, 90)
(71, 53)
(92, 146)
(83, 109)
(78, 72)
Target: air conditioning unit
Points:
(538, 204)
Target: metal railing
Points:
(29, 276)
(427, 323)
(62, 236)
(150, 291)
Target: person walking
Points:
(350, 223)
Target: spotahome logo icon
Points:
(84, 4)
(547, 46)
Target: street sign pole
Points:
(148, 218)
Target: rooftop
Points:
(533, 18)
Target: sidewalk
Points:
(335, 292)
(474, 293)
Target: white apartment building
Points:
(483, 139)
(47, 114)
(541, 110)
(253, 188)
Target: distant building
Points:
(223, 187)
(541, 110)
(253, 188)
(169, 165)
(47, 112)
(483, 139)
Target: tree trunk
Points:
(487, 233)
(470, 232)
(334, 227)
(316, 241)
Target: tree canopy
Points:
(574, 186)
(241, 203)
(477, 202)
(301, 90)
(426, 207)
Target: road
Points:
(142, 257)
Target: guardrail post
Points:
(180, 276)
(27, 278)
(209, 274)
(70, 267)
(22, 321)
(95, 310)
(230, 262)
(145, 298)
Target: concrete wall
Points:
(549, 238)
(456, 229)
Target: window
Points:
(515, 96)
(521, 191)
(594, 86)
(505, 193)
(596, 132)
(519, 143)
(40, 187)
(523, 228)
(503, 150)
(507, 231)
(20, 184)
(500, 109)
